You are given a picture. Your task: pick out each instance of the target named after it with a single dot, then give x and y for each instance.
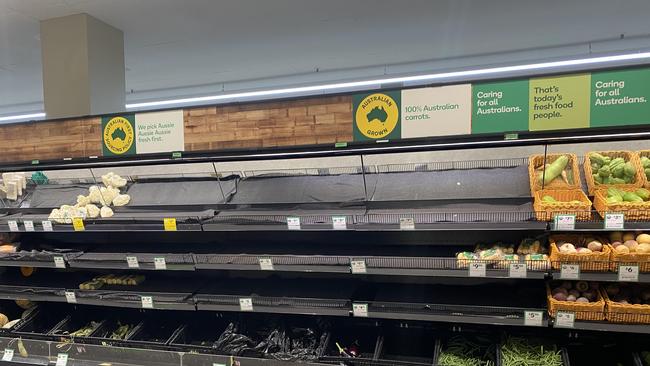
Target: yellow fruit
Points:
(24, 304)
(643, 248)
(643, 239)
(3, 320)
(622, 249)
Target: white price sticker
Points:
(246, 304)
(406, 223)
(147, 302)
(159, 263)
(564, 222)
(47, 225)
(477, 269)
(62, 359)
(628, 273)
(70, 297)
(132, 262)
(360, 310)
(570, 271)
(565, 319)
(518, 270)
(218, 364)
(8, 355)
(266, 264)
(533, 318)
(339, 223)
(614, 221)
(293, 223)
(29, 225)
(59, 262)
(358, 266)
(13, 225)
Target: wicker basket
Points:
(634, 259)
(617, 312)
(632, 210)
(583, 310)
(546, 211)
(596, 261)
(538, 160)
(639, 154)
(592, 185)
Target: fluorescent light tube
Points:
(402, 79)
(22, 117)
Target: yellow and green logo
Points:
(118, 134)
(377, 116)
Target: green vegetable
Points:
(598, 179)
(598, 159)
(554, 170)
(647, 172)
(613, 180)
(618, 171)
(630, 171)
(631, 197)
(548, 199)
(604, 171)
(645, 162)
(461, 351)
(520, 352)
(614, 199)
(643, 193)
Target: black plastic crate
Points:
(407, 346)
(200, 332)
(363, 340)
(103, 335)
(75, 321)
(154, 332)
(40, 324)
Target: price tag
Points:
(147, 302)
(13, 225)
(159, 263)
(360, 310)
(339, 223)
(533, 318)
(246, 304)
(564, 319)
(564, 222)
(477, 269)
(47, 225)
(132, 262)
(29, 225)
(78, 224)
(169, 224)
(70, 297)
(62, 359)
(570, 271)
(8, 355)
(406, 223)
(218, 364)
(293, 223)
(614, 221)
(266, 264)
(628, 273)
(518, 270)
(358, 266)
(59, 262)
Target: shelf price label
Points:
(518, 270)
(533, 318)
(70, 297)
(293, 223)
(147, 302)
(132, 262)
(358, 266)
(59, 262)
(406, 223)
(339, 223)
(477, 269)
(246, 304)
(13, 225)
(266, 264)
(169, 224)
(159, 263)
(47, 225)
(564, 222)
(29, 225)
(62, 359)
(8, 355)
(628, 273)
(78, 224)
(360, 310)
(565, 319)
(570, 272)
(614, 221)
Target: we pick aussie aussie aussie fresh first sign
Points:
(608, 98)
(142, 133)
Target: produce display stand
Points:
(368, 251)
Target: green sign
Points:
(620, 98)
(118, 135)
(557, 103)
(376, 116)
(499, 107)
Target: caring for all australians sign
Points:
(143, 133)
(598, 99)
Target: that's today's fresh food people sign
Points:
(598, 99)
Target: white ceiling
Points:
(181, 43)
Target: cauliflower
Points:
(106, 211)
(56, 216)
(95, 195)
(82, 201)
(108, 194)
(113, 180)
(93, 211)
(121, 200)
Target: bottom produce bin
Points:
(407, 346)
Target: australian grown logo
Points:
(377, 115)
